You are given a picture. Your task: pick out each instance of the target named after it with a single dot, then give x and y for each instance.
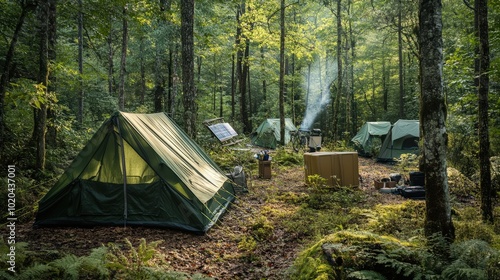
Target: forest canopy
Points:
(104, 56)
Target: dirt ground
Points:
(215, 254)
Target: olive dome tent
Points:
(368, 134)
(268, 134)
(402, 139)
(139, 169)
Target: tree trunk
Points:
(111, 79)
(233, 89)
(432, 121)
(27, 6)
(339, 73)
(81, 95)
(188, 87)
(282, 74)
(51, 136)
(123, 61)
(400, 57)
(482, 69)
(40, 126)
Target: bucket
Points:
(417, 178)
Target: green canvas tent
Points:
(402, 139)
(139, 169)
(267, 135)
(369, 133)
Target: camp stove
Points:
(314, 142)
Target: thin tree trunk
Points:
(282, 74)
(433, 124)
(51, 137)
(111, 79)
(40, 127)
(188, 86)
(481, 19)
(400, 56)
(81, 94)
(339, 73)
(123, 61)
(233, 89)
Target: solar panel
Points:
(223, 131)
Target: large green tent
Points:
(369, 133)
(139, 169)
(268, 134)
(402, 139)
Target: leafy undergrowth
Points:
(266, 234)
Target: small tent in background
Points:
(402, 139)
(139, 169)
(267, 135)
(368, 134)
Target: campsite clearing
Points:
(220, 253)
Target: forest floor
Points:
(219, 253)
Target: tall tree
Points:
(432, 121)
(40, 113)
(188, 86)
(282, 73)
(339, 73)
(400, 60)
(123, 60)
(482, 83)
(79, 115)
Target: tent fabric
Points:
(402, 139)
(364, 138)
(268, 134)
(139, 169)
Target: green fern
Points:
(39, 271)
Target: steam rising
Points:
(320, 78)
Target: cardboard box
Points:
(265, 169)
(341, 167)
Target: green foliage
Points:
(286, 158)
(130, 262)
(261, 227)
(403, 220)
(355, 255)
(468, 225)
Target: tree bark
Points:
(81, 95)
(482, 83)
(282, 74)
(400, 58)
(40, 125)
(339, 72)
(188, 86)
(51, 136)
(123, 60)
(432, 122)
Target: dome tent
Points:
(365, 138)
(139, 169)
(268, 134)
(402, 139)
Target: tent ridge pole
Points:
(125, 211)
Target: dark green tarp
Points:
(139, 169)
